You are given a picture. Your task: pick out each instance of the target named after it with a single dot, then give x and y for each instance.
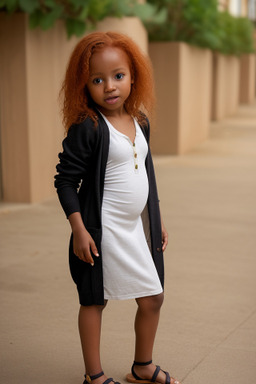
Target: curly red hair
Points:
(77, 105)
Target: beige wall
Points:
(183, 76)
(226, 85)
(32, 66)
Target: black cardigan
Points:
(80, 186)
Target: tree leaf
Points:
(2, 3)
(126, 7)
(50, 3)
(47, 20)
(29, 6)
(144, 11)
(12, 5)
(84, 12)
(34, 19)
(44, 20)
(75, 27)
(97, 10)
(79, 3)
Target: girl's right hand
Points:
(84, 246)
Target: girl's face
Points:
(110, 80)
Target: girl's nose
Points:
(110, 86)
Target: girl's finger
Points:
(82, 256)
(88, 257)
(95, 252)
(164, 241)
(94, 249)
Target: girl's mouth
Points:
(111, 100)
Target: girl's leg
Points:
(89, 321)
(146, 323)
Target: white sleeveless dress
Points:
(128, 268)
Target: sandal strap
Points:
(88, 378)
(134, 373)
(168, 378)
(155, 374)
(154, 377)
(109, 381)
(94, 377)
(142, 363)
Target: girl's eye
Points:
(97, 81)
(119, 76)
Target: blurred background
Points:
(203, 55)
(204, 146)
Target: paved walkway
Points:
(207, 332)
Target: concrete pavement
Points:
(207, 332)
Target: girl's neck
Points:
(117, 115)
(123, 123)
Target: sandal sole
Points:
(130, 378)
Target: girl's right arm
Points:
(83, 243)
(78, 148)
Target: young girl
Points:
(106, 184)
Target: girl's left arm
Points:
(164, 231)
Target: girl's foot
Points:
(100, 378)
(149, 373)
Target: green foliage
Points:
(28, 5)
(198, 22)
(192, 21)
(245, 33)
(236, 36)
(79, 15)
(149, 13)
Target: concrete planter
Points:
(183, 87)
(32, 64)
(32, 67)
(247, 78)
(226, 85)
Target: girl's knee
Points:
(102, 307)
(93, 308)
(151, 303)
(161, 298)
(157, 300)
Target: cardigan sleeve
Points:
(74, 161)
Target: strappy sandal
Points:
(89, 379)
(134, 378)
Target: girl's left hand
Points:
(164, 238)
